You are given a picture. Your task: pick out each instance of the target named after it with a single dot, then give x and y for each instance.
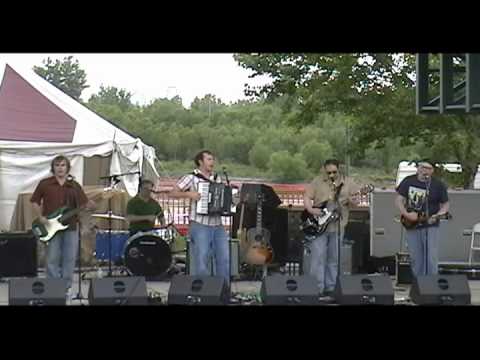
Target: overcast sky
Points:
(150, 76)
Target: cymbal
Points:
(107, 216)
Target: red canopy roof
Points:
(27, 115)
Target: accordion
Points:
(216, 199)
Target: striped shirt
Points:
(190, 183)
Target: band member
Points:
(206, 232)
(143, 211)
(422, 194)
(51, 194)
(335, 189)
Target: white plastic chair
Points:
(475, 230)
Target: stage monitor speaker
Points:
(440, 290)
(18, 254)
(289, 290)
(364, 290)
(118, 291)
(36, 291)
(198, 290)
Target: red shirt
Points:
(51, 195)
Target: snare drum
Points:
(147, 254)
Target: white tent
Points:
(39, 121)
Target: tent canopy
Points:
(39, 121)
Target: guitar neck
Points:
(259, 217)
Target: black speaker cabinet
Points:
(18, 254)
(440, 290)
(118, 291)
(289, 290)
(364, 290)
(36, 291)
(198, 290)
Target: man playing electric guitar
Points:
(333, 188)
(51, 194)
(422, 201)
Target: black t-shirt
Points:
(415, 192)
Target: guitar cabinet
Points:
(18, 254)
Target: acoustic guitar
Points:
(423, 220)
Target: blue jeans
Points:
(424, 258)
(206, 241)
(61, 255)
(324, 260)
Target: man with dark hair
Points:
(206, 231)
(422, 195)
(143, 211)
(328, 190)
(51, 194)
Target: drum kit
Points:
(149, 253)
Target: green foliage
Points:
(110, 95)
(315, 153)
(376, 92)
(287, 168)
(259, 156)
(65, 74)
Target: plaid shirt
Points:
(190, 183)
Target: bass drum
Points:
(147, 254)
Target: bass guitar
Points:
(58, 220)
(316, 225)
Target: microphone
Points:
(333, 181)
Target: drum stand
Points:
(109, 237)
(114, 180)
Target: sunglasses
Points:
(331, 172)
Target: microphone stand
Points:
(231, 236)
(427, 194)
(79, 295)
(339, 240)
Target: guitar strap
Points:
(201, 176)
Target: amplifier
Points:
(18, 254)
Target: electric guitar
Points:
(58, 220)
(259, 250)
(423, 220)
(316, 225)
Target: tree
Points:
(315, 153)
(376, 91)
(286, 167)
(65, 75)
(259, 155)
(112, 96)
